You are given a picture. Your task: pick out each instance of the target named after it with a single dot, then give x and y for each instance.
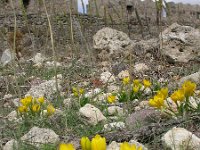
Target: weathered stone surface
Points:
(140, 68)
(12, 116)
(180, 43)
(37, 136)
(107, 77)
(91, 114)
(115, 110)
(7, 57)
(142, 117)
(45, 89)
(38, 58)
(195, 77)
(181, 139)
(111, 42)
(114, 126)
(112, 88)
(123, 74)
(11, 145)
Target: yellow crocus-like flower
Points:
(126, 80)
(178, 95)
(111, 98)
(50, 110)
(64, 146)
(35, 107)
(98, 143)
(41, 100)
(136, 88)
(85, 143)
(164, 92)
(157, 101)
(146, 83)
(127, 146)
(26, 101)
(81, 91)
(189, 88)
(22, 109)
(136, 82)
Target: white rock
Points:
(38, 58)
(138, 144)
(7, 96)
(13, 116)
(110, 40)
(113, 89)
(195, 77)
(11, 145)
(91, 93)
(37, 136)
(144, 104)
(113, 146)
(107, 77)
(114, 126)
(123, 74)
(44, 89)
(7, 57)
(181, 139)
(50, 64)
(115, 110)
(140, 68)
(67, 102)
(92, 114)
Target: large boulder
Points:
(180, 43)
(181, 139)
(110, 42)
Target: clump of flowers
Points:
(180, 98)
(79, 93)
(34, 107)
(97, 143)
(111, 98)
(133, 90)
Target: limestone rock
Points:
(181, 139)
(7, 57)
(67, 102)
(180, 43)
(123, 74)
(195, 77)
(115, 110)
(113, 146)
(137, 144)
(114, 126)
(11, 145)
(46, 88)
(111, 42)
(140, 68)
(113, 88)
(12, 116)
(37, 136)
(107, 77)
(50, 64)
(92, 114)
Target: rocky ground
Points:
(168, 61)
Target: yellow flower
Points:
(111, 98)
(136, 82)
(157, 101)
(189, 88)
(146, 83)
(127, 146)
(136, 89)
(85, 143)
(64, 146)
(41, 100)
(81, 91)
(35, 107)
(98, 143)
(26, 101)
(178, 95)
(75, 91)
(164, 92)
(22, 109)
(50, 109)
(126, 80)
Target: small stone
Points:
(113, 146)
(115, 110)
(123, 74)
(51, 64)
(11, 145)
(144, 104)
(7, 96)
(92, 114)
(113, 89)
(67, 102)
(38, 58)
(13, 116)
(180, 138)
(140, 68)
(137, 144)
(114, 126)
(107, 77)
(37, 136)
